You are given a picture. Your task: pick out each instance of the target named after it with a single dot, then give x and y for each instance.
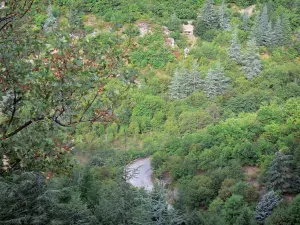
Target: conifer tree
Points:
(251, 60)
(155, 210)
(195, 81)
(224, 20)
(234, 50)
(185, 89)
(245, 23)
(209, 15)
(281, 174)
(175, 87)
(263, 34)
(51, 22)
(278, 32)
(270, 35)
(287, 30)
(266, 205)
(215, 82)
(75, 19)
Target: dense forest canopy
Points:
(208, 90)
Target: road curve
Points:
(141, 173)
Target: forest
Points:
(207, 90)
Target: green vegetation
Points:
(89, 86)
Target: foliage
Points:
(266, 205)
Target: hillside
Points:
(209, 91)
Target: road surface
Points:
(141, 173)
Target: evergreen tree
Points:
(209, 15)
(155, 210)
(175, 86)
(270, 35)
(278, 32)
(234, 50)
(266, 205)
(174, 23)
(185, 88)
(51, 22)
(245, 23)
(193, 80)
(281, 174)
(184, 83)
(251, 60)
(224, 20)
(263, 34)
(215, 82)
(75, 19)
(287, 30)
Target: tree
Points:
(266, 205)
(245, 22)
(262, 38)
(51, 22)
(223, 17)
(184, 83)
(208, 19)
(174, 23)
(50, 85)
(215, 82)
(194, 80)
(251, 60)
(294, 209)
(281, 176)
(175, 86)
(287, 30)
(234, 50)
(278, 32)
(14, 11)
(155, 210)
(75, 20)
(236, 212)
(208, 15)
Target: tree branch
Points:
(88, 106)
(5, 136)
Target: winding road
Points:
(141, 174)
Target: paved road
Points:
(141, 172)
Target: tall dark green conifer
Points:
(281, 174)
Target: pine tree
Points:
(75, 19)
(215, 82)
(245, 23)
(234, 50)
(184, 83)
(270, 35)
(287, 30)
(51, 22)
(185, 89)
(155, 210)
(266, 205)
(263, 34)
(251, 60)
(278, 32)
(195, 81)
(209, 15)
(281, 176)
(224, 20)
(175, 87)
